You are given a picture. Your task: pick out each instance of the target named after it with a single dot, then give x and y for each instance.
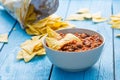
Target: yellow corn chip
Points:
(40, 52)
(29, 48)
(52, 33)
(96, 20)
(52, 43)
(36, 37)
(116, 26)
(20, 55)
(27, 57)
(40, 28)
(87, 15)
(4, 37)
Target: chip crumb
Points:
(4, 38)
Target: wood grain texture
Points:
(103, 69)
(116, 10)
(58, 74)
(6, 23)
(11, 69)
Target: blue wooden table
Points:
(40, 68)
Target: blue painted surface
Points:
(107, 68)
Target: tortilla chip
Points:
(52, 43)
(87, 15)
(36, 37)
(29, 48)
(40, 28)
(4, 38)
(97, 15)
(116, 26)
(20, 55)
(27, 57)
(52, 33)
(40, 52)
(96, 20)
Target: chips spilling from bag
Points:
(31, 48)
(84, 14)
(4, 38)
(29, 11)
(40, 28)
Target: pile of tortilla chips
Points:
(40, 28)
(115, 21)
(84, 14)
(31, 48)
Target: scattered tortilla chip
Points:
(115, 21)
(40, 52)
(84, 10)
(36, 37)
(116, 26)
(27, 57)
(75, 17)
(96, 20)
(31, 48)
(4, 38)
(87, 15)
(20, 55)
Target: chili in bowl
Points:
(75, 49)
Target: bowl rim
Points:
(103, 38)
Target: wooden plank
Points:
(116, 9)
(6, 22)
(11, 69)
(104, 67)
(57, 73)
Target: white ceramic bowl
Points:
(75, 61)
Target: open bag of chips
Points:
(35, 16)
(30, 11)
